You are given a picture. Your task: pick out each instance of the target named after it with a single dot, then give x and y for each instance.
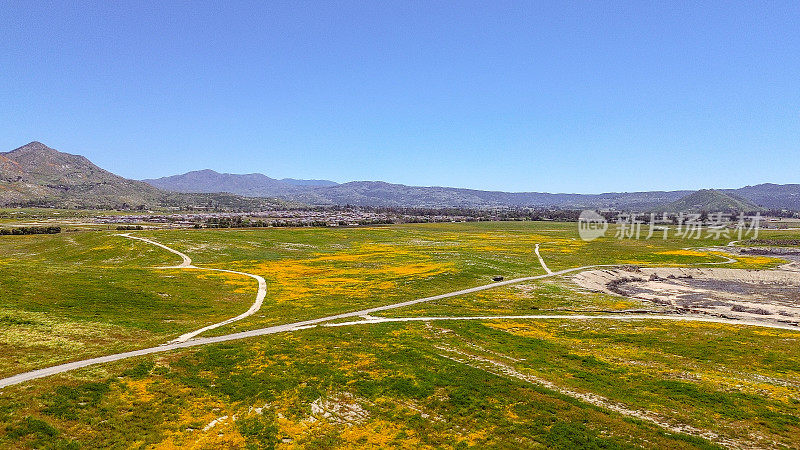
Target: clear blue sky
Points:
(517, 96)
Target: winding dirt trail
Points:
(187, 264)
(185, 341)
(541, 260)
(174, 345)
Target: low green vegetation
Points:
(77, 295)
(365, 386)
(452, 384)
(549, 296)
(738, 382)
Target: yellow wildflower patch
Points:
(380, 434)
(683, 252)
(522, 329)
(355, 276)
(242, 283)
(138, 390)
(757, 261)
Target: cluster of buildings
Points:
(276, 218)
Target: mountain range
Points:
(249, 185)
(35, 174)
(379, 193)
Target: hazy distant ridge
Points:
(35, 174)
(379, 193)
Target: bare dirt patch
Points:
(791, 255)
(755, 295)
(338, 408)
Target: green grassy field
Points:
(75, 295)
(455, 384)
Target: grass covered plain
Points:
(362, 386)
(83, 294)
(76, 295)
(314, 272)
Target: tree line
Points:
(239, 222)
(29, 230)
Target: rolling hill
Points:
(36, 174)
(710, 200)
(383, 194)
(207, 181)
(379, 193)
(772, 196)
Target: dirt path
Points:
(504, 370)
(364, 313)
(626, 317)
(371, 320)
(541, 260)
(187, 264)
(16, 379)
(262, 293)
(174, 345)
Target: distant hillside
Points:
(249, 185)
(379, 193)
(710, 200)
(297, 182)
(38, 174)
(771, 196)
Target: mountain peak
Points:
(33, 147)
(711, 200)
(38, 174)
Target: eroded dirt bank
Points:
(760, 295)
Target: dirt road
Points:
(174, 345)
(187, 264)
(364, 313)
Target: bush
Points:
(258, 433)
(29, 230)
(130, 227)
